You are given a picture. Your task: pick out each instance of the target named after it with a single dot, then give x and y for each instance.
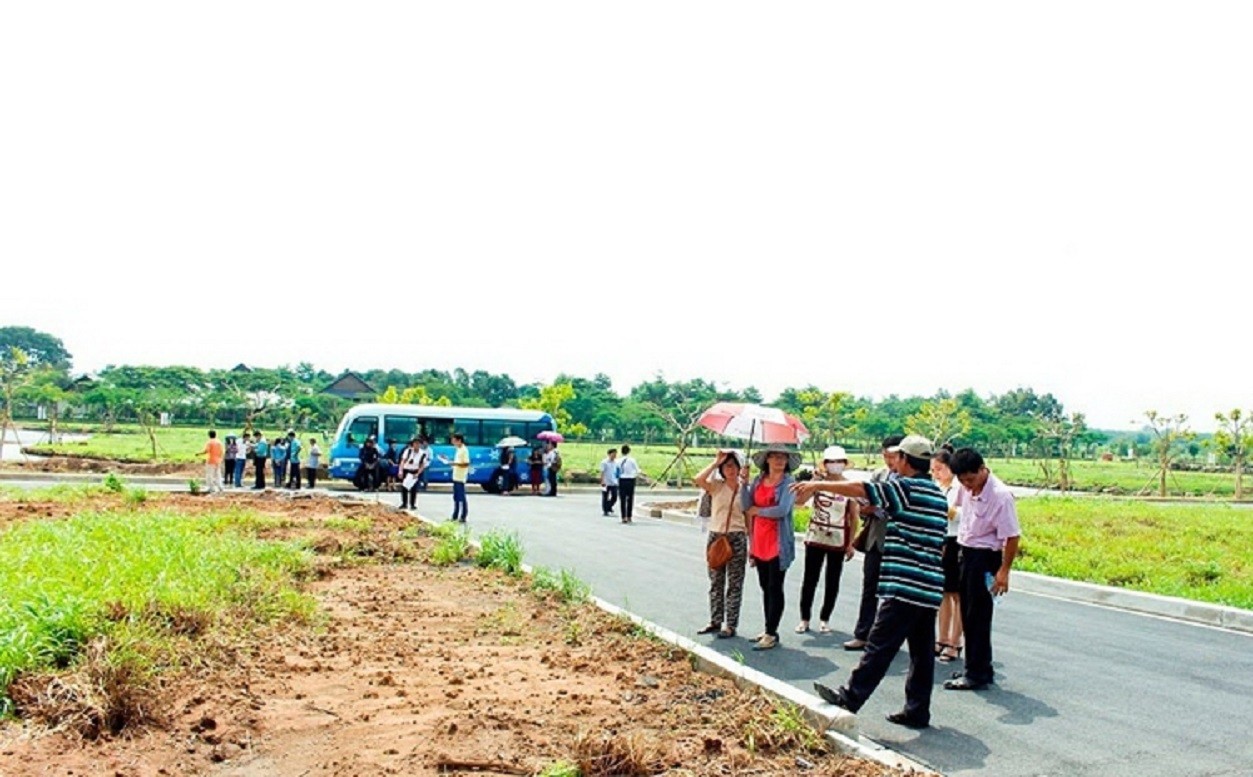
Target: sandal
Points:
(823, 628)
(710, 629)
(940, 647)
(726, 633)
(950, 653)
(802, 627)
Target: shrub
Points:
(113, 483)
(452, 544)
(502, 551)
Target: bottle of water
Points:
(989, 580)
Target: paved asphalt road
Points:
(1082, 690)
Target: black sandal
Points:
(710, 629)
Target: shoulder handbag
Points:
(720, 551)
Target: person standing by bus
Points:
(552, 461)
(410, 467)
(214, 453)
(460, 475)
(536, 460)
(312, 462)
(260, 452)
(293, 460)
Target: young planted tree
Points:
(15, 368)
(1234, 437)
(550, 400)
(828, 416)
(939, 420)
(1169, 435)
(43, 388)
(148, 405)
(1058, 434)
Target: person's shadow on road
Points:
(1020, 710)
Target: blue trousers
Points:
(460, 507)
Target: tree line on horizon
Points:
(35, 370)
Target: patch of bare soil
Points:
(91, 464)
(425, 670)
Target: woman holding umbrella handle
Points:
(768, 503)
(722, 480)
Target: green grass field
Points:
(1202, 552)
(136, 583)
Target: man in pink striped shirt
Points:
(987, 541)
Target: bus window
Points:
(470, 428)
(362, 427)
(400, 428)
(495, 431)
(437, 430)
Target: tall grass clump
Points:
(500, 550)
(137, 582)
(452, 544)
(568, 587)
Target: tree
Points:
(41, 348)
(550, 400)
(828, 416)
(43, 387)
(939, 420)
(15, 368)
(679, 405)
(108, 401)
(148, 405)
(1234, 437)
(1168, 434)
(1060, 434)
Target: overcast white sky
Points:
(877, 198)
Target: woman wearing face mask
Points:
(829, 540)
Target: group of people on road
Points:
(938, 534)
(618, 477)
(286, 457)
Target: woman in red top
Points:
(768, 502)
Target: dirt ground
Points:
(102, 466)
(424, 670)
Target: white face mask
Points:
(835, 467)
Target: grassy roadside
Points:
(118, 594)
(1196, 552)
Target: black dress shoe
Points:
(964, 684)
(902, 718)
(836, 697)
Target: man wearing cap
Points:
(911, 581)
(873, 529)
(987, 543)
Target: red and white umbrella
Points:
(755, 423)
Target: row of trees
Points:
(35, 372)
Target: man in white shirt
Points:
(609, 482)
(628, 471)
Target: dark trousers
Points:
(311, 476)
(409, 496)
(898, 622)
(228, 471)
(976, 607)
(259, 463)
(770, 577)
(815, 556)
(460, 507)
(626, 497)
(608, 499)
(293, 475)
(871, 560)
(552, 483)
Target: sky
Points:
(874, 198)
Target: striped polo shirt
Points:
(917, 511)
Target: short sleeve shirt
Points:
(990, 518)
(461, 474)
(917, 518)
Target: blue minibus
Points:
(483, 427)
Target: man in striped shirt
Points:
(911, 581)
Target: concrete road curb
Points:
(839, 726)
(1217, 615)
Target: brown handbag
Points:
(719, 552)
